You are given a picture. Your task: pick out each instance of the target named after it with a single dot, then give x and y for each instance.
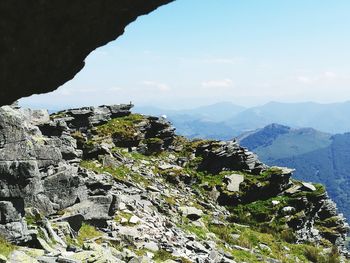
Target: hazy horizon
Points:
(50, 107)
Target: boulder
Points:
(94, 208)
(219, 156)
(8, 213)
(65, 187)
(36, 117)
(233, 181)
(308, 187)
(190, 212)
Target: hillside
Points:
(328, 166)
(278, 141)
(104, 185)
(316, 156)
(331, 118)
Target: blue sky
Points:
(196, 52)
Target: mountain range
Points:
(226, 120)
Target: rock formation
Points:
(44, 43)
(99, 184)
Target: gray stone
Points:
(308, 187)
(94, 208)
(219, 156)
(16, 232)
(265, 247)
(293, 189)
(134, 219)
(36, 117)
(191, 212)
(20, 256)
(8, 213)
(47, 259)
(152, 246)
(233, 181)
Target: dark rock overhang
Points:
(43, 43)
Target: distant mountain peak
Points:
(276, 126)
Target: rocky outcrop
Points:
(82, 119)
(219, 156)
(100, 184)
(44, 43)
(92, 125)
(38, 171)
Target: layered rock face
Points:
(46, 42)
(99, 184)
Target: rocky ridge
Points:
(99, 184)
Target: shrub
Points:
(311, 253)
(288, 236)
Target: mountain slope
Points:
(277, 141)
(328, 166)
(104, 185)
(316, 156)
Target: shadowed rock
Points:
(44, 43)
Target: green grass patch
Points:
(162, 255)
(123, 127)
(224, 233)
(244, 256)
(6, 247)
(32, 219)
(170, 200)
(261, 211)
(87, 232)
(121, 172)
(200, 232)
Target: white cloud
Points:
(224, 83)
(317, 78)
(330, 75)
(156, 85)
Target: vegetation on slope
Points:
(257, 223)
(316, 156)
